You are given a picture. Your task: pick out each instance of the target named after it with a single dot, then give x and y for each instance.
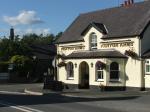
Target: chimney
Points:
(132, 1)
(127, 3)
(12, 35)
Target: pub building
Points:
(107, 49)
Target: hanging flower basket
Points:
(130, 53)
(59, 56)
(101, 64)
(61, 64)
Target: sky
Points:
(46, 16)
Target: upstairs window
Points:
(93, 41)
(70, 70)
(147, 67)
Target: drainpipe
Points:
(57, 61)
(141, 66)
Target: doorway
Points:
(84, 76)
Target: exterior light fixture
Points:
(75, 65)
(92, 65)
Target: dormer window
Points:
(93, 41)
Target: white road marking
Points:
(8, 92)
(32, 109)
(21, 108)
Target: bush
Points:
(22, 64)
(4, 66)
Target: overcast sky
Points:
(45, 16)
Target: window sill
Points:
(99, 80)
(115, 81)
(70, 78)
(147, 73)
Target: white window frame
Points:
(93, 41)
(115, 80)
(99, 70)
(102, 75)
(147, 64)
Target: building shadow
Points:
(53, 99)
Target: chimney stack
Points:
(127, 3)
(132, 1)
(12, 35)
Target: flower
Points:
(61, 64)
(130, 53)
(59, 56)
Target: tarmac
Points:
(84, 93)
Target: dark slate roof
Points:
(119, 21)
(99, 26)
(43, 51)
(146, 54)
(95, 54)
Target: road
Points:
(20, 102)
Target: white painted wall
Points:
(92, 70)
(130, 74)
(147, 81)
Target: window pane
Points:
(147, 68)
(70, 71)
(114, 75)
(93, 41)
(100, 75)
(114, 66)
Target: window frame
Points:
(70, 71)
(93, 41)
(147, 64)
(101, 70)
(117, 79)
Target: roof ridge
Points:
(116, 7)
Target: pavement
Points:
(37, 89)
(14, 98)
(83, 93)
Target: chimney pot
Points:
(132, 1)
(125, 3)
(129, 2)
(12, 34)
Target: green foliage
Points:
(4, 66)
(37, 39)
(18, 51)
(58, 36)
(9, 48)
(23, 64)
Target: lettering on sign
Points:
(73, 48)
(117, 44)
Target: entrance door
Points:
(84, 76)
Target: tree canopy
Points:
(21, 46)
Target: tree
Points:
(23, 65)
(9, 48)
(37, 39)
(58, 36)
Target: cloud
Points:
(37, 31)
(24, 18)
